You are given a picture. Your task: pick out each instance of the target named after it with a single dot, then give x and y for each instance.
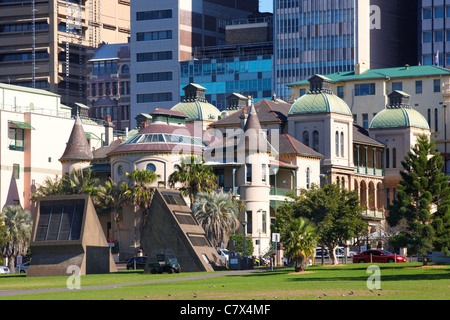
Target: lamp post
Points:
(243, 233)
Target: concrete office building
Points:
(165, 33)
(39, 37)
(323, 37)
(434, 32)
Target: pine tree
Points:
(422, 202)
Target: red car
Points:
(378, 256)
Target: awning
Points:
(91, 136)
(20, 125)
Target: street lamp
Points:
(243, 233)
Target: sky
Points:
(266, 5)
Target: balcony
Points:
(375, 214)
(280, 191)
(370, 171)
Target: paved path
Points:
(113, 286)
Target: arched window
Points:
(436, 120)
(342, 144)
(337, 144)
(387, 158)
(315, 137)
(306, 138)
(126, 69)
(394, 158)
(307, 178)
(429, 117)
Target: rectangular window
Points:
(340, 92)
(419, 87)
(154, 97)
(154, 35)
(248, 169)
(438, 36)
(427, 14)
(397, 86)
(153, 15)
(437, 85)
(154, 56)
(364, 89)
(249, 223)
(16, 139)
(263, 169)
(16, 171)
(264, 222)
(154, 77)
(365, 117)
(438, 12)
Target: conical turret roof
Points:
(77, 147)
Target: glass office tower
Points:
(328, 36)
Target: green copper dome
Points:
(198, 110)
(320, 102)
(195, 106)
(402, 117)
(398, 114)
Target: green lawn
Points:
(398, 281)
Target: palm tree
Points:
(299, 239)
(217, 213)
(18, 233)
(49, 187)
(194, 177)
(141, 194)
(112, 198)
(81, 182)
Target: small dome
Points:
(198, 110)
(399, 118)
(319, 102)
(195, 106)
(398, 114)
(320, 99)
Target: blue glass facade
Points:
(249, 76)
(312, 37)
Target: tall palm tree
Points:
(112, 198)
(194, 177)
(299, 239)
(217, 213)
(141, 194)
(18, 233)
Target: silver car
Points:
(4, 270)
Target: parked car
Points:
(377, 256)
(4, 270)
(223, 255)
(429, 256)
(23, 268)
(165, 263)
(140, 263)
(340, 251)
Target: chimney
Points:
(109, 132)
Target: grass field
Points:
(408, 281)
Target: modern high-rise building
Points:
(44, 43)
(323, 37)
(165, 33)
(243, 65)
(434, 32)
